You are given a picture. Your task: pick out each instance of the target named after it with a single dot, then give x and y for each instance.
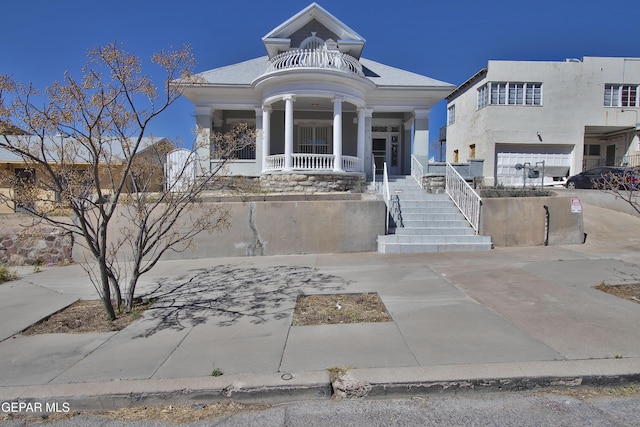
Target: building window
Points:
(620, 95)
(243, 148)
(533, 94)
(455, 156)
(451, 115)
(472, 151)
(315, 139)
(516, 93)
(509, 93)
(482, 97)
(592, 150)
(498, 93)
(312, 43)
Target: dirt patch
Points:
(339, 308)
(84, 317)
(630, 292)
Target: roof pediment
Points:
(280, 38)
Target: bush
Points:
(7, 275)
(502, 191)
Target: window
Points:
(509, 93)
(455, 156)
(533, 94)
(472, 151)
(616, 95)
(591, 150)
(451, 115)
(242, 148)
(314, 139)
(629, 96)
(498, 93)
(482, 97)
(313, 42)
(611, 96)
(516, 93)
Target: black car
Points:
(622, 177)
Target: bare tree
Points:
(624, 184)
(86, 150)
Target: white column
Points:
(288, 132)
(421, 132)
(266, 135)
(361, 128)
(203, 140)
(368, 143)
(337, 134)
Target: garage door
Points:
(556, 164)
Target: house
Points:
(18, 174)
(319, 107)
(572, 115)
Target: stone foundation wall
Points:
(35, 246)
(433, 184)
(312, 183)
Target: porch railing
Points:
(312, 162)
(417, 171)
(316, 58)
(465, 197)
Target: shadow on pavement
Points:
(232, 292)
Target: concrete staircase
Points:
(427, 223)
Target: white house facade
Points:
(573, 115)
(317, 104)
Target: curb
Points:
(316, 385)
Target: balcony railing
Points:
(316, 58)
(630, 161)
(312, 162)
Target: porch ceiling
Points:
(605, 130)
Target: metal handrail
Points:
(464, 196)
(386, 195)
(417, 170)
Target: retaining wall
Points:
(279, 226)
(35, 246)
(520, 221)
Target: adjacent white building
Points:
(573, 115)
(317, 104)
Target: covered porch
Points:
(321, 133)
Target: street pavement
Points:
(510, 318)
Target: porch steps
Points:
(428, 223)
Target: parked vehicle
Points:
(624, 178)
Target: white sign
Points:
(576, 205)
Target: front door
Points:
(379, 153)
(611, 155)
(387, 149)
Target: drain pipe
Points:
(546, 225)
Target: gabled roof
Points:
(278, 39)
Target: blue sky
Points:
(449, 41)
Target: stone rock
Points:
(345, 386)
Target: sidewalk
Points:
(510, 317)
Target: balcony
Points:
(315, 58)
